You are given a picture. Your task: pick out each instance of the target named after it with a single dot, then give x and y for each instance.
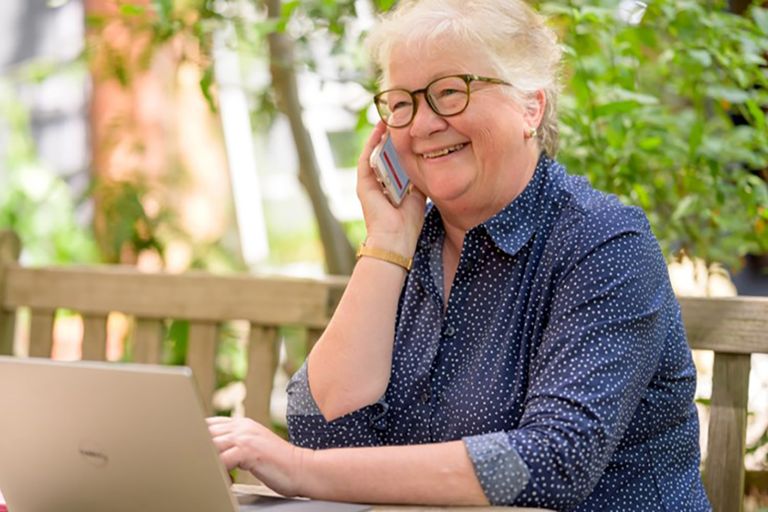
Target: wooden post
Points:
(10, 249)
(201, 358)
(724, 467)
(262, 363)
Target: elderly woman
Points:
(515, 339)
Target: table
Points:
(262, 489)
(266, 491)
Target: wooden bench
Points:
(206, 301)
(734, 328)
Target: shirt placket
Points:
(450, 335)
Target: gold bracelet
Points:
(384, 255)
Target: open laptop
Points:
(87, 436)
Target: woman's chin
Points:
(444, 196)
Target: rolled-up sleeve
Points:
(309, 429)
(501, 471)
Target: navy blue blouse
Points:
(560, 360)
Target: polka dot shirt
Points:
(560, 359)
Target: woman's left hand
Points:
(245, 444)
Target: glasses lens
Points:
(449, 95)
(395, 107)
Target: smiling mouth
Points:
(443, 152)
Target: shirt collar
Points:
(512, 227)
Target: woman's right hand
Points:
(387, 227)
(246, 444)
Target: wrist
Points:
(394, 242)
(303, 461)
(393, 257)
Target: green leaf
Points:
(206, 82)
(288, 8)
(641, 193)
(695, 138)
(650, 143)
(615, 107)
(164, 10)
(640, 98)
(702, 57)
(760, 15)
(730, 94)
(684, 208)
(130, 10)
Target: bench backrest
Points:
(206, 301)
(734, 328)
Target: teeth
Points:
(444, 151)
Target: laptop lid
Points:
(86, 436)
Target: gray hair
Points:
(521, 47)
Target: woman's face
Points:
(489, 160)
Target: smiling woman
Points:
(533, 352)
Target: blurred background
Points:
(223, 135)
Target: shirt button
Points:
(424, 397)
(449, 331)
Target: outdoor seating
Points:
(734, 328)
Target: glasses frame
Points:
(467, 78)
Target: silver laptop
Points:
(87, 436)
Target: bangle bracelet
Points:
(384, 255)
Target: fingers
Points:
(228, 434)
(231, 458)
(377, 134)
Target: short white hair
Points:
(524, 51)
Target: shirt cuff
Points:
(307, 427)
(300, 400)
(499, 468)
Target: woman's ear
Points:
(535, 106)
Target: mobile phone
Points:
(389, 172)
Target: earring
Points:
(531, 133)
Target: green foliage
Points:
(669, 114)
(131, 227)
(34, 201)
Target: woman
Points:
(534, 354)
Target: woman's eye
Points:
(442, 93)
(400, 105)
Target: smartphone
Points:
(389, 172)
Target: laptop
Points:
(95, 436)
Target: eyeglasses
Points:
(447, 96)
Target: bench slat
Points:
(201, 358)
(41, 332)
(724, 467)
(730, 324)
(7, 330)
(148, 341)
(263, 345)
(101, 290)
(10, 249)
(94, 337)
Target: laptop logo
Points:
(93, 454)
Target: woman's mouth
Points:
(443, 152)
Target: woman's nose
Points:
(425, 120)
